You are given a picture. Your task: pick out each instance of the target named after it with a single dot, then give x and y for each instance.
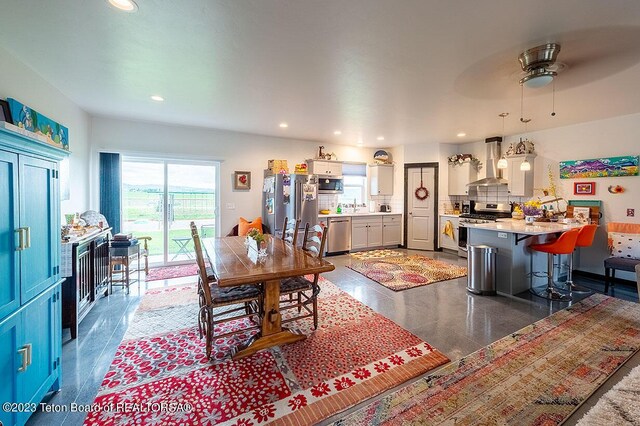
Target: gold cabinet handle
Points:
(28, 231)
(23, 351)
(29, 347)
(20, 232)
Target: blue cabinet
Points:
(30, 313)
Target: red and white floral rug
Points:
(160, 375)
(168, 272)
(401, 273)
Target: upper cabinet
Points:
(520, 182)
(381, 176)
(459, 176)
(324, 168)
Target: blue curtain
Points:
(110, 189)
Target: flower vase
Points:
(528, 220)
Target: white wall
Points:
(236, 151)
(22, 83)
(603, 138)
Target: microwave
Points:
(330, 185)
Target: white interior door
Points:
(420, 214)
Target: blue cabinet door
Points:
(10, 362)
(39, 217)
(38, 322)
(9, 219)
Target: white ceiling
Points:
(411, 70)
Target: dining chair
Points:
(290, 231)
(242, 302)
(307, 290)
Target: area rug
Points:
(401, 273)
(376, 254)
(160, 372)
(619, 406)
(536, 376)
(168, 272)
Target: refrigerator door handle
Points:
(299, 200)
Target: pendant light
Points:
(525, 166)
(502, 162)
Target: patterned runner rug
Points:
(401, 273)
(376, 254)
(168, 272)
(619, 406)
(537, 376)
(355, 354)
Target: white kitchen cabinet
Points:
(459, 176)
(391, 230)
(520, 183)
(446, 241)
(366, 232)
(324, 168)
(381, 176)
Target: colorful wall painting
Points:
(600, 167)
(31, 120)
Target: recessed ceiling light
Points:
(462, 134)
(125, 5)
(337, 132)
(157, 98)
(380, 138)
(284, 125)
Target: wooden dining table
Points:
(237, 265)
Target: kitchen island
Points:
(514, 259)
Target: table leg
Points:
(272, 333)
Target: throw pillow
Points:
(244, 226)
(625, 245)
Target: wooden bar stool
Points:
(585, 239)
(565, 244)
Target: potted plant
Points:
(531, 209)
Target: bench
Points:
(624, 243)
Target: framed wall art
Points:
(584, 188)
(241, 180)
(600, 167)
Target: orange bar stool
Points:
(565, 244)
(585, 239)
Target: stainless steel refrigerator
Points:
(292, 196)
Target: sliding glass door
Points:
(160, 198)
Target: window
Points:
(355, 183)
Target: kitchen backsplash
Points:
(330, 202)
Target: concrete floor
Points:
(443, 314)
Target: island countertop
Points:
(519, 227)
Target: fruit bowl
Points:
(517, 215)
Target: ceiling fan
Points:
(539, 64)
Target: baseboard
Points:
(599, 277)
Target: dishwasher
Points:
(339, 236)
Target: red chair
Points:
(585, 239)
(565, 244)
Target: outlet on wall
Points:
(231, 206)
(631, 212)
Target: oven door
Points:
(462, 239)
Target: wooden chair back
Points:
(290, 231)
(315, 238)
(202, 266)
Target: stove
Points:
(477, 218)
(483, 213)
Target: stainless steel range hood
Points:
(494, 174)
